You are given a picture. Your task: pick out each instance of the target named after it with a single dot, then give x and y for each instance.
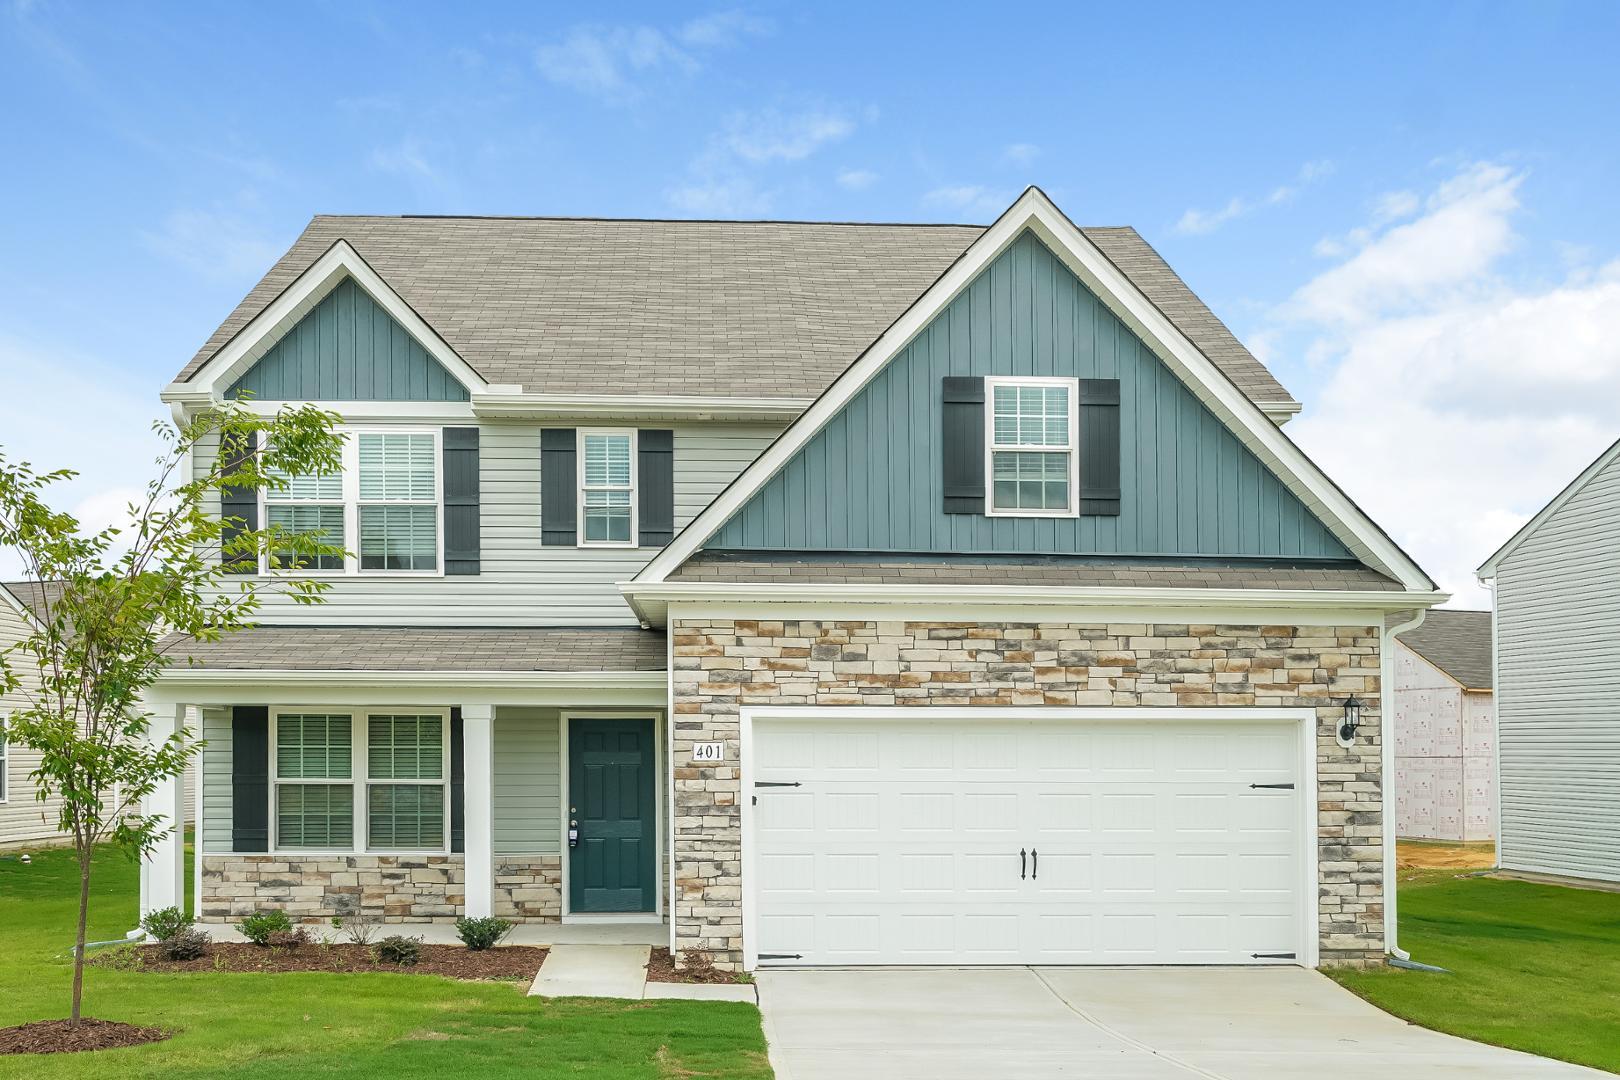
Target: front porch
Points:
(416, 798)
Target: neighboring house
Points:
(1445, 728)
(25, 819)
(878, 594)
(1556, 586)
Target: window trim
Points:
(580, 435)
(352, 503)
(991, 447)
(359, 776)
(5, 762)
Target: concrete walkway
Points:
(1119, 1024)
(620, 971)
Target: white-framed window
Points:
(373, 780)
(385, 507)
(607, 487)
(1031, 434)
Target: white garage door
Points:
(1008, 840)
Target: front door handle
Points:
(1021, 854)
(1034, 864)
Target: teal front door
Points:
(611, 817)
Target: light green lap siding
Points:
(528, 786)
(348, 349)
(871, 479)
(216, 780)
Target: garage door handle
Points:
(1034, 864)
(1021, 854)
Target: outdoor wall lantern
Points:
(1351, 721)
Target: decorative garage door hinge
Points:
(1273, 956)
(774, 783)
(1279, 787)
(781, 956)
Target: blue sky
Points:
(1410, 211)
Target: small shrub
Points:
(119, 958)
(258, 927)
(404, 951)
(484, 933)
(185, 944)
(359, 928)
(163, 924)
(289, 940)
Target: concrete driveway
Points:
(1107, 1024)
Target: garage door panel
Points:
(902, 842)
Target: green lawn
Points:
(255, 1026)
(1534, 967)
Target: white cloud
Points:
(1021, 153)
(1458, 402)
(1198, 222)
(111, 446)
(215, 243)
(735, 196)
(968, 198)
(856, 179)
(406, 158)
(609, 62)
(773, 135)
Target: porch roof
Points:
(420, 648)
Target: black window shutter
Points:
(962, 443)
(655, 497)
(559, 486)
(458, 784)
(1099, 447)
(461, 545)
(242, 503)
(250, 778)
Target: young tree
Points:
(116, 607)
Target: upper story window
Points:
(1031, 436)
(607, 485)
(384, 507)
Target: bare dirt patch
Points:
(1438, 855)
(55, 1037)
(699, 969)
(454, 961)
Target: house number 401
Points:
(709, 751)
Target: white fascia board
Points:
(1280, 412)
(1487, 569)
(618, 689)
(340, 261)
(512, 402)
(1035, 212)
(653, 601)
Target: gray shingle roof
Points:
(35, 595)
(701, 308)
(1053, 570)
(375, 648)
(1458, 643)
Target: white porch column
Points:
(478, 773)
(163, 871)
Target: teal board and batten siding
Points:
(871, 479)
(523, 582)
(527, 788)
(1558, 689)
(348, 349)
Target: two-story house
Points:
(837, 593)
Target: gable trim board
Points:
(340, 262)
(1487, 569)
(1034, 212)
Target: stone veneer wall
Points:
(722, 665)
(399, 888)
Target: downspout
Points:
(1386, 710)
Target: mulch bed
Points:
(55, 1037)
(699, 969)
(454, 961)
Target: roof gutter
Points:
(512, 402)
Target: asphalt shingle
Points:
(1458, 643)
(697, 308)
(405, 648)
